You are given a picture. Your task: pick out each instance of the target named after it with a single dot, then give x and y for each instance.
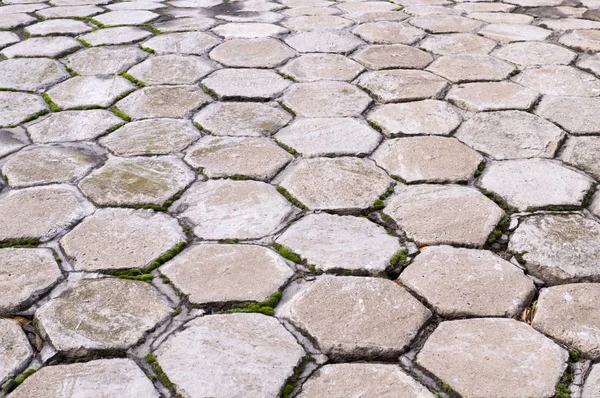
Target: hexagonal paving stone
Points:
(44, 164)
(535, 183)
(362, 380)
(15, 351)
(559, 80)
(185, 24)
(249, 30)
(118, 317)
(112, 36)
(163, 101)
(226, 209)
(135, 5)
(508, 33)
(73, 126)
(377, 16)
(256, 158)
(326, 41)
(470, 67)
(16, 107)
(502, 17)
(126, 17)
(415, 118)
(380, 317)
(392, 56)
(402, 85)
(82, 91)
(479, 97)
(151, 137)
(357, 8)
(329, 136)
(58, 27)
(196, 43)
(567, 313)
(582, 40)
(444, 214)
(104, 60)
(326, 99)
(427, 159)
(69, 11)
(306, 23)
(242, 119)
(583, 153)
(40, 212)
(136, 181)
(313, 67)
(493, 358)
(214, 273)
(51, 47)
(510, 135)
(458, 43)
(559, 248)
(247, 84)
(494, 287)
(11, 21)
(171, 69)
(252, 53)
(25, 274)
(333, 243)
(13, 139)
(437, 23)
(31, 74)
(389, 32)
(241, 354)
(114, 377)
(8, 38)
(120, 239)
(340, 184)
(535, 53)
(575, 114)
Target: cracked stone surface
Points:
(84, 91)
(326, 99)
(31, 74)
(16, 351)
(163, 101)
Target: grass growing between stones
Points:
(290, 198)
(500, 229)
(24, 242)
(132, 79)
(19, 380)
(51, 104)
(162, 376)
(562, 388)
(120, 114)
(165, 206)
(292, 381)
(480, 169)
(263, 307)
(287, 253)
(379, 203)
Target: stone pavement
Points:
(299, 198)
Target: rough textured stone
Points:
(427, 159)
(11, 140)
(214, 273)
(247, 84)
(242, 119)
(163, 101)
(104, 60)
(73, 126)
(402, 85)
(196, 43)
(11, 21)
(326, 99)
(470, 67)
(458, 43)
(532, 53)
(508, 33)
(389, 32)
(583, 153)
(119, 377)
(257, 158)
(329, 136)
(591, 388)
(339, 184)
(120, 239)
(51, 47)
(357, 8)
(111, 36)
(493, 358)
(314, 67)
(380, 317)
(58, 26)
(341, 243)
(306, 23)
(392, 56)
(136, 181)
(126, 17)
(328, 41)
(69, 11)
(502, 17)
(582, 40)
(559, 80)
(362, 380)
(8, 38)
(415, 118)
(510, 135)
(244, 354)
(15, 350)
(438, 23)
(185, 24)
(249, 30)
(559, 248)
(575, 114)
(40, 212)
(494, 287)
(444, 214)
(31, 74)
(25, 274)
(101, 315)
(171, 69)
(492, 96)
(226, 209)
(16, 107)
(82, 91)
(252, 53)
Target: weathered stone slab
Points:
(51, 47)
(249, 30)
(104, 60)
(582, 40)
(15, 349)
(252, 53)
(327, 41)
(112, 36)
(502, 17)
(508, 33)
(392, 56)
(31, 74)
(559, 80)
(171, 69)
(69, 11)
(193, 24)
(492, 96)
(13, 139)
(247, 84)
(470, 67)
(307, 23)
(402, 85)
(583, 153)
(15, 107)
(458, 43)
(163, 101)
(69, 27)
(126, 17)
(562, 111)
(12, 21)
(196, 43)
(533, 53)
(326, 99)
(591, 388)
(83, 91)
(389, 32)
(73, 126)
(314, 67)
(438, 23)
(8, 38)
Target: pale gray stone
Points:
(402, 85)
(256, 158)
(470, 67)
(392, 56)
(327, 41)
(306, 23)
(569, 24)
(444, 214)
(112, 36)
(69, 27)
(212, 273)
(252, 53)
(427, 7)
(583, 153)
(415, 118)
(582, 40)
(40, 212)
(326, 99)
(559, 80)
(313, 137)
(22, 8)
(163, 101)
(8, 38)
(508, 33)
(194, 24)
(101, 315)
(171, 69)
(590, 63)
(151, 137)
(249, 30)
(492, 96)
(377, 16)
(511, 135)
(48, 164)
(380, 317)
(69, 11)
(195, 43)
(333, 243)
(427, 159)
(343, 184)
(82, 91)
(241, 355)
(12, 21)
(226, 209)
(494, 287)
(533, 53)
(16, 107)
(577, 115)
(310, 10)
(51, 47)
(458, 43)
(73, 126)
(559, 248)
(314, 67)
(494, 358)
(119, 377)
(502, 17)
(362, 7)
(136, 5)
(31, 74)
(439, 23)
(251, 16)
(136, 181)
(15, 351)
(25, 274)
(104, 60)
(473, 7)
(595, 205)
(248, 84)
(242, 119)
(11, 140)
(389, 32)
(591, 388)
(126, 17)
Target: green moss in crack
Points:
(133, 274)
(264, 307)
(120, 114)
(480, 169)
(520, 257)
(84, 43)
(289, 150)
(23, 242)
(562, 388)
(51, 104)
(148, 50)
(288, 77)
(398, 178)
(19, 380)
(169, 254)
(287, 253)
(162, 376)
(34, 116)
(287, 108)
(375, 126)
(292, 381)
(132, 79)
(379, 204)
(290, 198)
(587, 199)
(399, 259)
(500, 229)
(152, 28)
